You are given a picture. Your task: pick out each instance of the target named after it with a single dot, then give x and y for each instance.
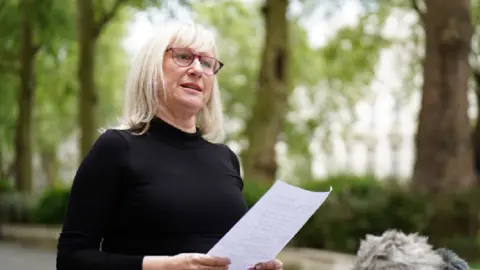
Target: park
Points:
(378, 100)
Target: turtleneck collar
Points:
(164, 131)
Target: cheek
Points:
(171, 73)
(171, 83)
(209, 85)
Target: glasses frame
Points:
(195, 56)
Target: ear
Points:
(452, 260)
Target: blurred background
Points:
(377, 99)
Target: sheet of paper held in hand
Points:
(268, 226)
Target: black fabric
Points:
(162, 193)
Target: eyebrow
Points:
(205, 53)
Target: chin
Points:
(192, 106)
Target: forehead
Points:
(195, 38)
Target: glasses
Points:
(185, 57)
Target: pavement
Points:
(14, 256)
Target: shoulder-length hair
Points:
(140, 101)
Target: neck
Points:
(184, 122)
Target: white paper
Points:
(268, 226)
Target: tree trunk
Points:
(89, 30)
(3, 171)
(476, 131)
(50, 165)
(88, 97)
(443, 142)
(271, 105)
(26, 95)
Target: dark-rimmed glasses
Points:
(184, 57)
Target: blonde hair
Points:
(140, 101)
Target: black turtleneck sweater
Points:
(162, 193)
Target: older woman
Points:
(160, 190)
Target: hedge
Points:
(362, 205)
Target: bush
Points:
(253, 191)
(16, 207)
(52, 206)
(357, 206)
(363, 205)
(6, 186)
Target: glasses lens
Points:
(209, 64)
(183, 57)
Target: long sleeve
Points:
(93, 198)
(236, 164)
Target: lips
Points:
(193, 86)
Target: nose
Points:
(196, 68)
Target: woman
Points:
(160, 190)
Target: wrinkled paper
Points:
(269, 225)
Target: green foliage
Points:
(111, 66)
(239, 30)
(56, 73)
(9, 41)
(352, 48)
(363, 205)
(475, 7)
(345, 183)
(16, 207)
(54, 20)
(328, 79)
(52, 206)
(56, 95)
(6, 186)
(7, 115)
(252, 191)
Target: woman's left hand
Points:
(270, 265)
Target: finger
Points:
(206, 260)
(278, 264)
(270, 265)
(203, 267)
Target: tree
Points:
(39, 56)
(331, 78)
(443, 142)
(271, 102)
(27, 27)
(89, 30)
(26, 95)
(92, 18)
(475, 66)
(9, 72)
(57, 91)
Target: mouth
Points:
(193, 86)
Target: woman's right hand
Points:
(185, 261)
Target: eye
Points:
(207, 63)
(184, 56)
